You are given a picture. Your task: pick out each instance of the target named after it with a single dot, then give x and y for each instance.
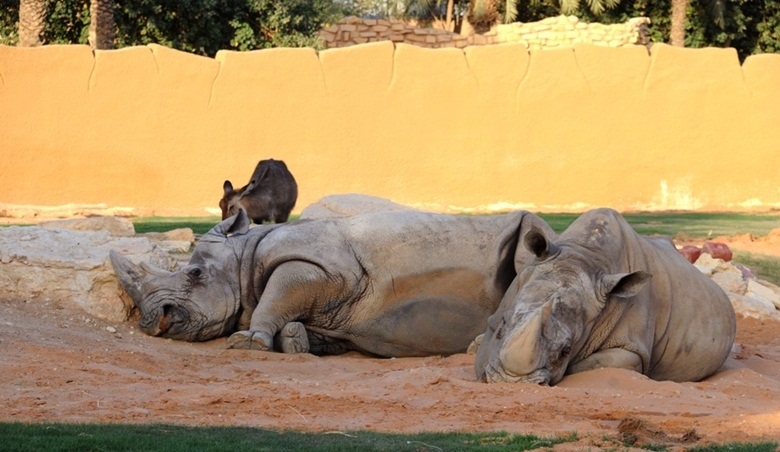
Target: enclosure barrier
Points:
(484, 128)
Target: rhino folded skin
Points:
(600, 295)
(401, 283)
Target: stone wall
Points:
(152, 130)
(548, 33)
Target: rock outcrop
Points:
(750, 296)
(67, 261)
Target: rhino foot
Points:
(250, 340)
(293, 339)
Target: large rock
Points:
(749, 297)
(346, 205)
(116, 226)
(71, 266)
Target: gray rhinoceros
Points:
(388, 284)
(600, 295)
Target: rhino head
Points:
(197, 303)
(548, 313)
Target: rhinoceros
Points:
(600, 295)
(404, 283)
(270, 194)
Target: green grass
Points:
(674, 224)
(763, 267)
(737, 447)
(160, 437)
(119, 437)
(685, 224)
(199, 225)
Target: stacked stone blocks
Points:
(548, 33)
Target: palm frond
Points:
(716, 10)
(569, 6)
(511, 11)
(596, 6)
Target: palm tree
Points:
(715, 8)
(101, 24)
(482, 14)
(677, 31)
(32, 22)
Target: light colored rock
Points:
(765, 291)
(71, 266)
(346, 205)
(116, 226)
(707, 265)
(752, 307)
(731, 280)
(174, 241)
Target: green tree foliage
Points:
(206, 26)
(750, 26)
(198, 26)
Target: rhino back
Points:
(696, 324)
(413, 283)
(682, 325)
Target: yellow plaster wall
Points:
(484, 128)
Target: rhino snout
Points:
(163, 320)
(498, 374)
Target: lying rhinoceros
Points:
(600, 295)
(388, 284)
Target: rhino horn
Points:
(153, 270)
(237, 224)
(519, 355)
(131, 276)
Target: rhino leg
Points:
(292, 339)
(290, 295)
(251, 340)
(612, 357)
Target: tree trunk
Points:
(448, 22)
(101, 24)
(32, 22)
(677, 33)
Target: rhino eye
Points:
(195, 272)
(500, 329)
(565, 352)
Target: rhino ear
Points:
(237, 224)
(625, 285)
(227, 187)
(536, 242)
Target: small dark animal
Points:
(270, 194)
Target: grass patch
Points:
(737, 447)
(684, 224)
(199, 225)
(119, 437)
(763, 267)
(674, 224)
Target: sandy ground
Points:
(60, 365)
